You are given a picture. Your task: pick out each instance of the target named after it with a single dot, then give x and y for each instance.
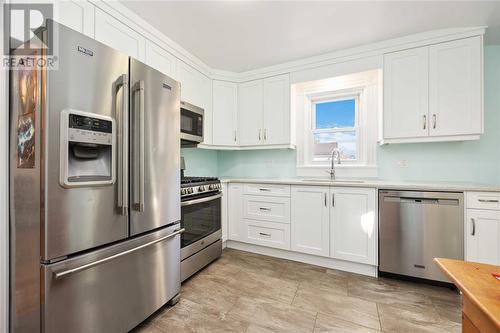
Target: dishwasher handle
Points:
(422, 201)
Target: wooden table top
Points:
(476, 282)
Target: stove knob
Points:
(211, 187)
(201, 188)
(190, 190)
(183, 191)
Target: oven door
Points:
(191, 123)
(201, 219)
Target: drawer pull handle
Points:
(473, 233)
(264, 189)
(488, 200)
(265, 209)
(264, 234)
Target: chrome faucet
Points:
(335, 154)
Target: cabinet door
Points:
(354, 225)
(160, 59)
(483, 236)
(276, 110)
(224, 211)
(250, 108)
(78, 15)
(406, 94)
(310, 220)
(225, 107)
(455, 81)
(115, 34)
(236, 225)
(191, 83)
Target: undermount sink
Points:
(327, 180)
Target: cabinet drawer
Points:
(265, 208)
(483, 200)
(275, 190)
(268, 234)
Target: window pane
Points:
(345, 141)
(336, 114)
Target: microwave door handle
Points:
(122, 83)
(138, 204)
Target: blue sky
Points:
(335, 114)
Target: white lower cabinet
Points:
(353, 225)
(310, 220)
(235, 212)
(224, 211)
(336, 223)
(269, 234)
(483, 236)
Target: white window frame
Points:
(334, 96)
(366, 86)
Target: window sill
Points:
(343, 171)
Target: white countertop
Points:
(376, 183)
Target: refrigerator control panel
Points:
(88, 149)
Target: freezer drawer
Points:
(415, 228)
(112, 289)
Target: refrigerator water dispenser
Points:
(88, 149)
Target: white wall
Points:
(4, 216)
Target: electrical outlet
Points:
(402, 163)
(268, 163)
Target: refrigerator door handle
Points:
(60, 275)
(122, 83)
(138, 204)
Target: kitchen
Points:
(297, 188)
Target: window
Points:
(338, 112)
(334, 125)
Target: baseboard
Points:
(330, 263)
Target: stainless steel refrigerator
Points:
(95, 204)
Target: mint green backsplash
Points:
(473, 161)
(273, 163)
(200, 162)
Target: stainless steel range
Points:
(201, 219)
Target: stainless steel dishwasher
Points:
(415, 228)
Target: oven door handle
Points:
(197, 201)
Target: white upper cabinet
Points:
(455, 81)
(225, 104)
(160, 59)
(196, 89)
(77, 15)
(114, 33)
(277, 110)
(406, 93)
(264, 112)
(310, 220)
(434, 93)
(250, 112)
(483, 236)
(192, 84)
(354, 225)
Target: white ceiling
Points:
(245, 35)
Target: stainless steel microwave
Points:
(191, 124)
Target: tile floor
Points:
(245, 292)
